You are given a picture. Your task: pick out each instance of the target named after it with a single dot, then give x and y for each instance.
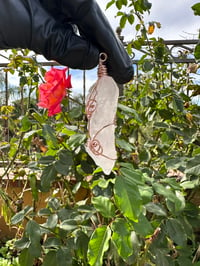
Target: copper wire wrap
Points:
(102, 70)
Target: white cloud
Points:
(176, 17)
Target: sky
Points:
(176, 17)
(177, 22)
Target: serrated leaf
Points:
(127, 197)
(176, 231)
(104, 205)
(98, 245)
(121, 237)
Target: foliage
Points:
(8, 254)
(146, 212)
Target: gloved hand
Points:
(26, 24)
(93, 24)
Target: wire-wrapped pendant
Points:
(101, 107)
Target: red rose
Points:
(52, 92)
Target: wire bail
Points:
(102, 69)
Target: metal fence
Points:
(180, 52)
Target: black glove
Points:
(26, 24)
(92, 24)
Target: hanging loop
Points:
(102, 69)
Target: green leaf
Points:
(176, 231)
(64, 163)
(162, 259)
(75, 112)
(177, 104)
(175, 163)
(46, 159)
(22, 243)
(104, 205)
(121, 237)
(197, 51)
(52, 221)
(157, 209)
(63, 257)
(76, 140)
(69, 225)
(81, 242)
(196, 9)
(119, 4)
(123, 144)
(50, 137)
(135, 175)
(33, 185)
(26, 258)
(35, 250)
(127, 197)
(193, 166)
(166, 192)
(143, 227)
(33, 230)
(98, 245)
(122, 22)
(44, 212)
(49, 175)
(131, 18)
(110, 4)
(26, 124)
(52, 242)
(129, 110)
(18, 217)
(146, 193)
(50, 259)
(147, 66)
